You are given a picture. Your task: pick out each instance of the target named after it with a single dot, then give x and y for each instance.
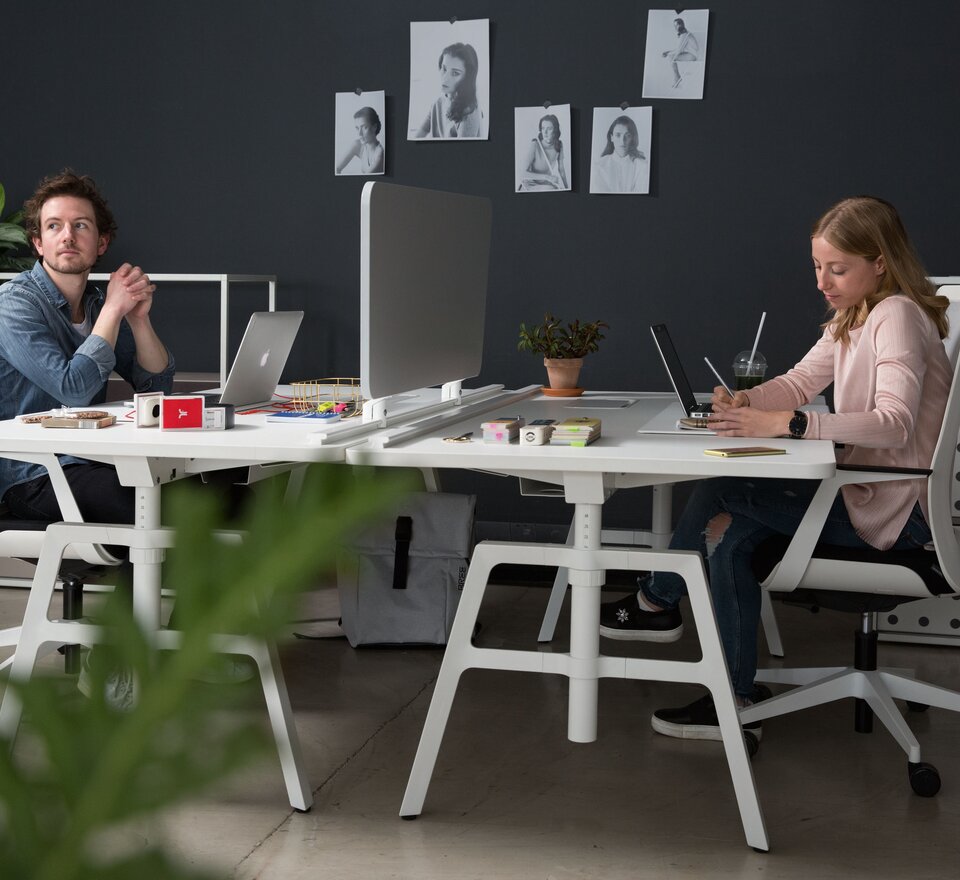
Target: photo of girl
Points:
(675, 53)
(543, 160)
(455, 57)
(359, 133)
(621, 150)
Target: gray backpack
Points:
(400, 580)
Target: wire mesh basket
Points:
(311, 394)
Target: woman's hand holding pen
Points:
(723, 398)
(736, 418)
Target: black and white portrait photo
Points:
(676, 52)
(542, 148)
(359, 133)
(620, 158)
(449, 80)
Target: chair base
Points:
(877, 688)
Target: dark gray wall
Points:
(209, 127)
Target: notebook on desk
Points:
(665, 422)
(260, 359)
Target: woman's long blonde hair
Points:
(869, 227)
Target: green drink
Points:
(746, 382)
(748, 372)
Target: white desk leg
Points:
(716, 677)
(32, 633)
(584, 629)
(147, 561)
(281, 721)
(557, 593)
(771, 630)
(456, 658)
(431, 479)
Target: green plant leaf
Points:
(90, 769)
(14, 234)
(3, 198)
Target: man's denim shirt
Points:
(45, 363)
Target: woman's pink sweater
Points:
(890, 390)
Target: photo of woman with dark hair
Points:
(456, 113)
(367, 148)
(459, 52)
(360, 134)
(541, 167)
(622, 166)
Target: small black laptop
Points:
(675, 371)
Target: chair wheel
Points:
(917, 707)
(924, 779)
(753, 744)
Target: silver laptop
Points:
(260, 359)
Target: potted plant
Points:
(563, 349)
(13, 237)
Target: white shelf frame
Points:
(224, 279)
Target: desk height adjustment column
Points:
(585, 585)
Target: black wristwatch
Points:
(798, 424)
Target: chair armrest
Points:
(876, 469)
(94, 554)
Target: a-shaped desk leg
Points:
(148, 542)
(584, 665)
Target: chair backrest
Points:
(952, 342)
(952, 345)
(941, 491)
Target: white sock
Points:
(644, 604)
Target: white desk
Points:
(148, 458)
(621, 458)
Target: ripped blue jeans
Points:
(758, 509)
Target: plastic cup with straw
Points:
(750, 367)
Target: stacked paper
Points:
(503, 430)
(575, 432)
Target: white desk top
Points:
(620, 449)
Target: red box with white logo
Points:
(181, 413)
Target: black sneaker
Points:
(625, 620)
(698, 720)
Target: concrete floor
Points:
(513, 798)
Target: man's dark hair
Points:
(68, 183)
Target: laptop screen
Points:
(671, 361)
(261, 358)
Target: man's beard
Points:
(67, 268)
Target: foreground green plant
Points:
(84, 771)
(13, 240)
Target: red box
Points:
(181, 413)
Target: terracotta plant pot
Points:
(563, 372)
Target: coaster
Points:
(562, 392)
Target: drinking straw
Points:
(756, 341)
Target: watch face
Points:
(798, 425)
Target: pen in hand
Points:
(726, 387)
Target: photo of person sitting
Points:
(687, 49)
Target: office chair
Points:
(23, 540)
(868, 582)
